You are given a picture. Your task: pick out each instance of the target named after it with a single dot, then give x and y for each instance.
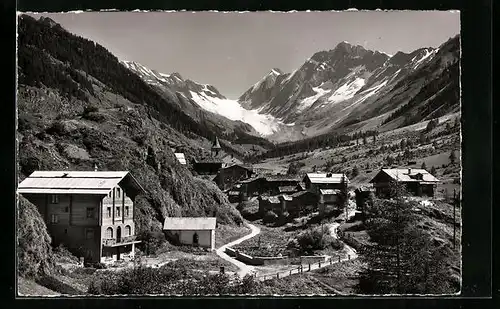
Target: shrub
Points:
(90, 109)
(152, 241)
(57, 285)
(269, 217)
(316, 239)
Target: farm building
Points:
(92, 213)
(417, 182)
(270, 203)
(181, 158)
(329, 196)
(252, 186)
(207, 166)
(274, 182)
(227, 177)
(317, 181)
(234, 196)
(302, 201)
(199, 232)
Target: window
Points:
(54, 199)
(118, 192)
(89, 233)
(127, 213)
(110, 194)
(117, 211)
(109, 233)
(54, 219)
(109, 212)
(66, 209)
(128, 230)
(90, 212)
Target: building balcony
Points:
(126, 240)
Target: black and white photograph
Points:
(198, 153)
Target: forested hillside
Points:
(78, 107)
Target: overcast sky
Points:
(232, 51)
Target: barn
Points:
(227, 177)
(418, 182)
(317, 181)
(198, 232)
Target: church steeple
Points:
(216, 147)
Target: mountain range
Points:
(344, 89)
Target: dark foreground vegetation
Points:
(406, 258)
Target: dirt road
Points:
(244, 269)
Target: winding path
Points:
(244, 269)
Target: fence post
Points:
(330, 261)
(290, 272)
(339, 258)
(277, 275)
(319, 264)
(348, 256)
(309, 266)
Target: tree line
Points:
(58, 59)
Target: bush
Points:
(152, 241)
(270, 217)
(90, 109)
(57, 285)
(316, 239)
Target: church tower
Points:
(216, 147)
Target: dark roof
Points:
(208, 161)
(300, 193)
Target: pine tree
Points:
(424, 167)
(452, 157)
(433, 171)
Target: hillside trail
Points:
(244, 269)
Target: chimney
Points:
(95, 167)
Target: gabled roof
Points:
(326, 178)
(79, 182)
(190, 223)
(329, 191)
(248, 168)
(181, 158)
(408, 175)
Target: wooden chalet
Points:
(418, 182)
(314, 182)
(207, 166)
(227, 177)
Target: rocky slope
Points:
(206, 104)
(350, 87)
(78, 106)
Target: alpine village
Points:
(128, 186)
